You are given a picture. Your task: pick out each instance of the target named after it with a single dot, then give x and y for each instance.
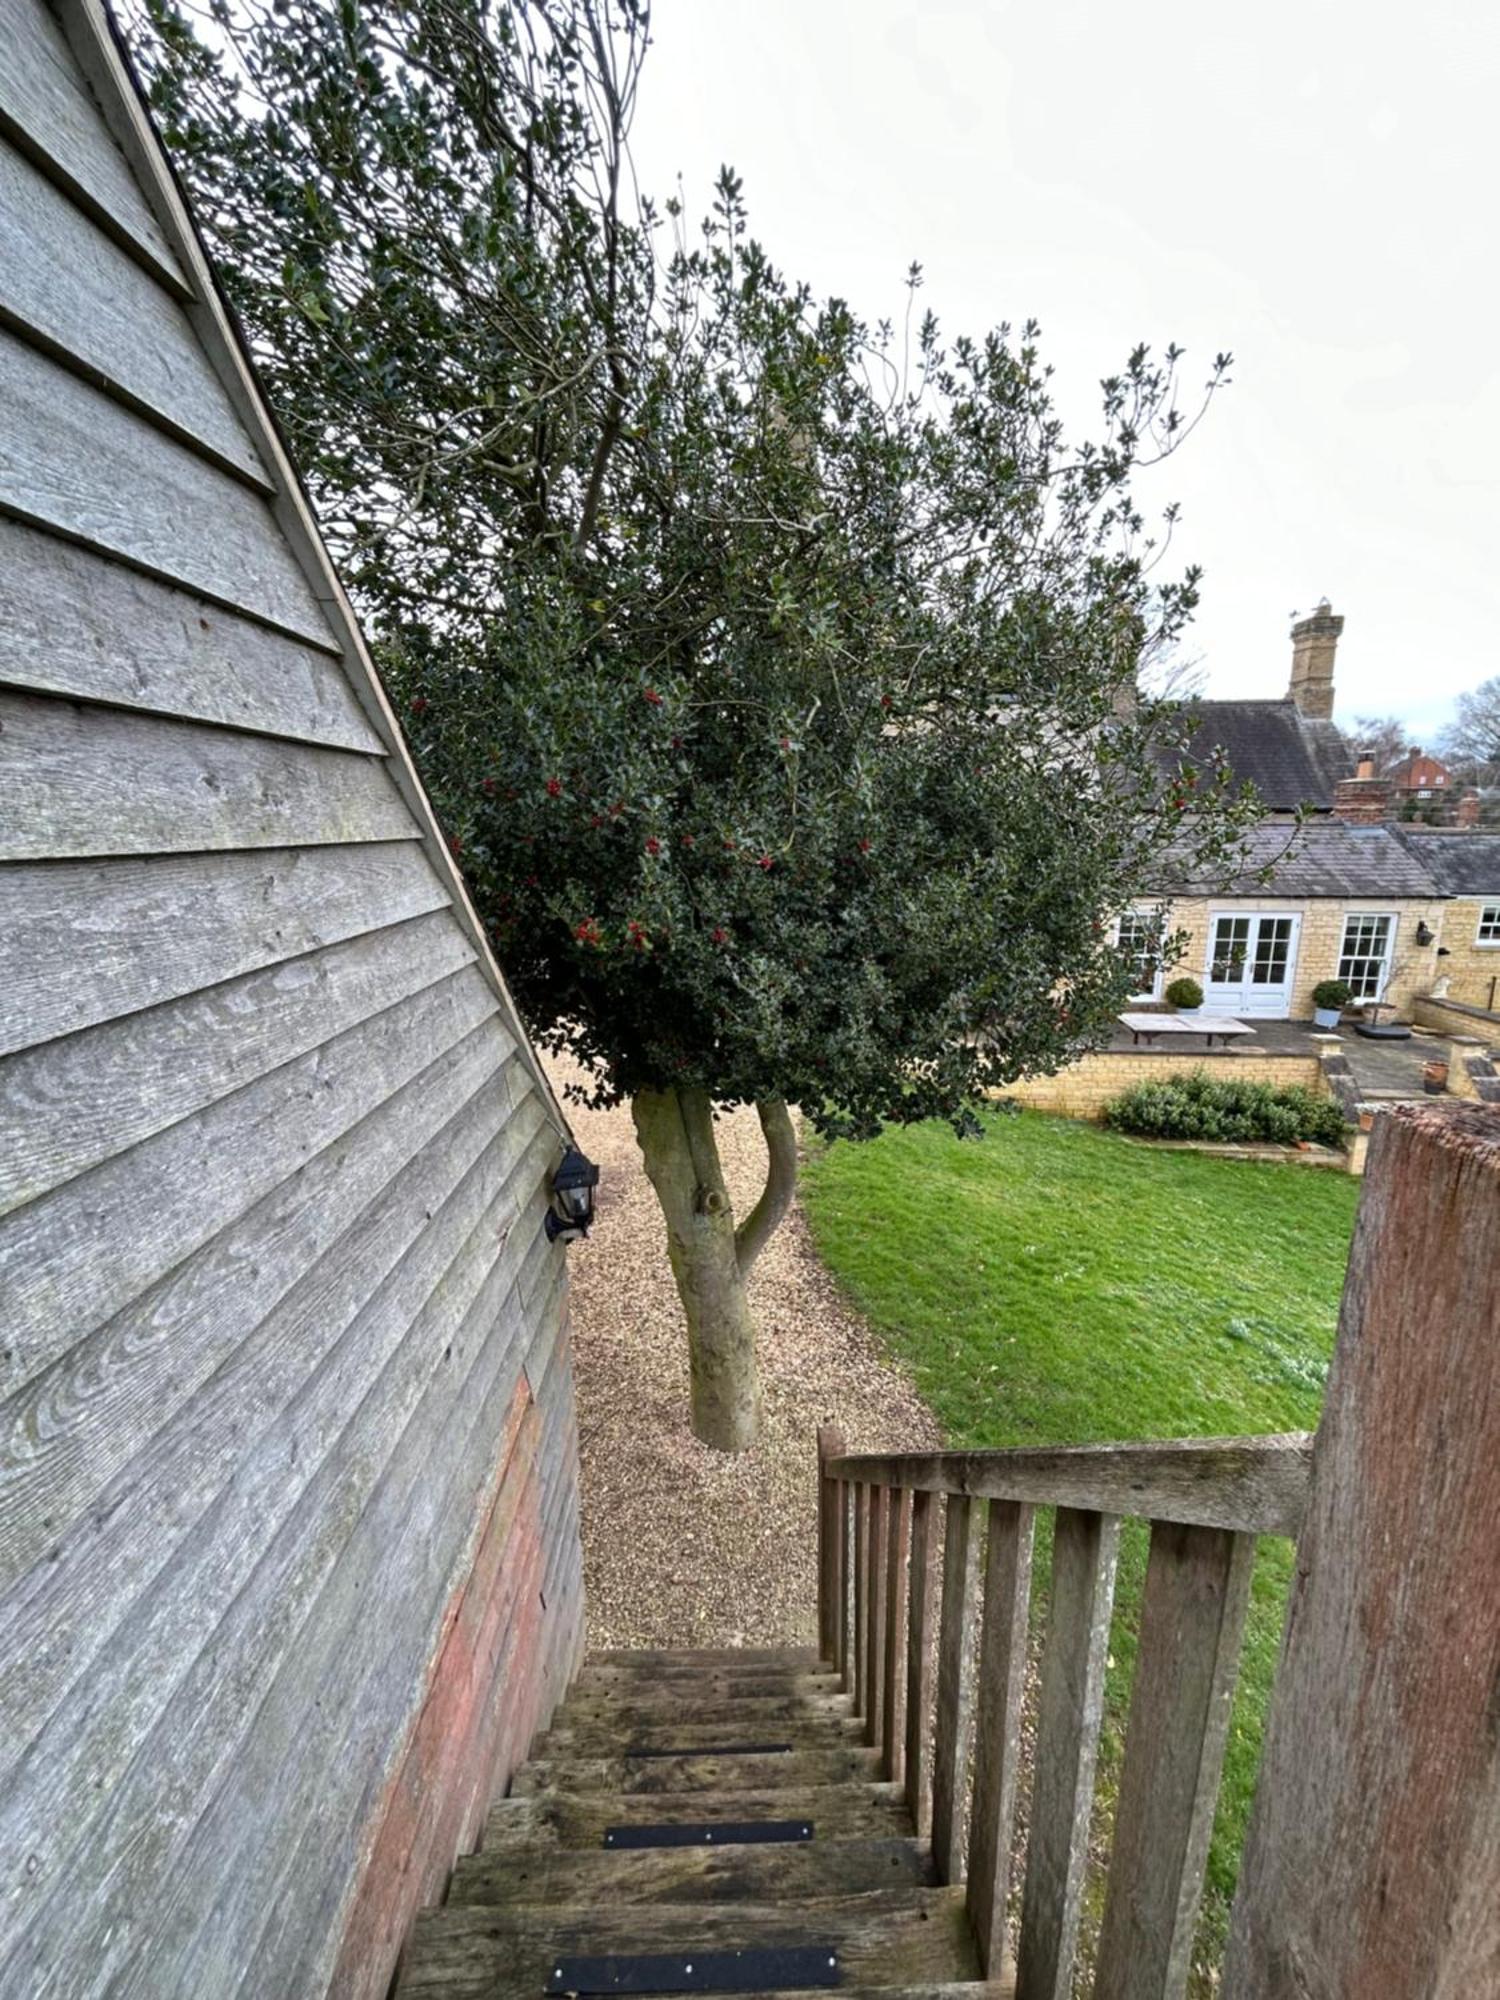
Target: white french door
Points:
(1252, 962)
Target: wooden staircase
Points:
(697, 1822)
(733, 1822)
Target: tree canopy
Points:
(776, 674)
(1473, 736)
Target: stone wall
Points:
(1320, 939)
(1472, 970)
(1455, 1018)
(1084, 1088)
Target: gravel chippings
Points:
(683, 1546)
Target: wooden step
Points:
(890, 1938)
(673, 1699)
(802, 1873)
(563, 1819)
(705, 1683)
(796, 1658)
(605, 1738)
(630, 1776)
(644, 1710)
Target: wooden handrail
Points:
(1206, 1500)
(1250, 1485)
(1372, 1851)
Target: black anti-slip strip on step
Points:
(698, 1833)
(716, 1750)
(692, 1971)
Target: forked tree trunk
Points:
(711, 1258)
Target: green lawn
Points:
(1057, 1284)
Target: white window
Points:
(1364, 962)
(1137, 938)
(1489, 925)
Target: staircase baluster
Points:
(898, 1542)
(1084, 1552)
(845, 1558)
(875, 1593)
(861, 1594)
(830, 1446)
(955, 1687)
(1192, 1620)
(997, 1755)
(918, 1655)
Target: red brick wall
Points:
(487, 1694)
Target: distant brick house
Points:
(1390, 909)
(1418, 774)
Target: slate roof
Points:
(1290, 759)
(1327, 857)
(1462, 864)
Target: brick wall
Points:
(1085, 1087)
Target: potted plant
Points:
(1186, 995)
(1329, 997)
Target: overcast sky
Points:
(1314, 187)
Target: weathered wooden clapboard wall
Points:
(289, 1561)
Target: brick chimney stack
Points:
(1364, 799)
(1314, 642)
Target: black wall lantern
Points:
(572, 1207)
(1425, 933)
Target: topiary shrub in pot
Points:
(1186, 995)
(1329, 997)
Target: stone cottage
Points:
(1344, 894)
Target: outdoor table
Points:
(1146, 1027)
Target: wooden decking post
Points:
(1373, 1858)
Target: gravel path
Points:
(683, 1546)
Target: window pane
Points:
(1273, 943)
(1231, 948)
(1138, 941)
(1489, 924)
(1367, 944)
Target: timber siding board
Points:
(157, 1401)
(82, 1252)
(137, 643)
(133, 933)
(288, 1529)
(65, 1107)
(328, 1784)
(80, 781)
(73, 460)
(312, 1788)
(46, 106)
(167, 1713)
(68, 287)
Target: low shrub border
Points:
(1199, 1106)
